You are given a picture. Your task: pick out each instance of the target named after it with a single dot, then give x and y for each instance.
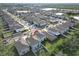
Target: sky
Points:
(39, 1)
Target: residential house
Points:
(53, 31)
(22, 45)
(49, 35)
(34, 44)
(38, 35)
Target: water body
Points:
(47, 9)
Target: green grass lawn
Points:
(9, 50)
(70, 46)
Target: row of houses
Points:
(12, 24)
(33, 41)
(38, 19)
(25, 43)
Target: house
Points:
(53, 31)
(71, 23)
(65, 26)
(49, 35)
(22, 45)
(34, 44)
(26, 41)
(38, 35)
(62, 28)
